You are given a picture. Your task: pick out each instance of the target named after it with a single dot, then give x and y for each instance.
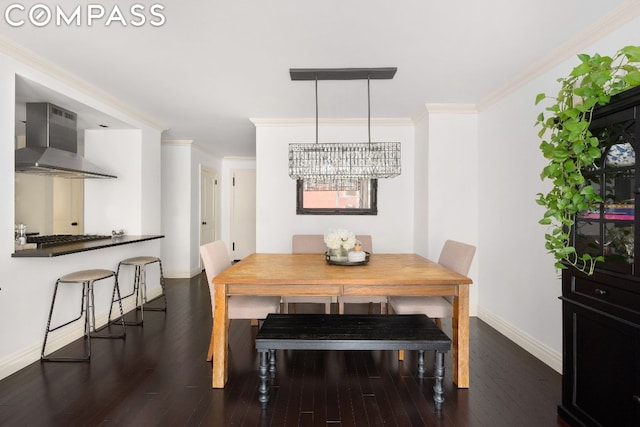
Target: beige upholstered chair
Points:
(455, 256)
(215, 258)
(307, 244)
(367, 245)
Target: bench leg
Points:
(438, 390)
(272, 363)
(264, 378)
(421, 370)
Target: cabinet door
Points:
(601, 385)
(609, 229)
(68, 202)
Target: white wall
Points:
(176, 208)
(118, 152)
(421, 184)
(452, 193)
(391, 229)
(520, 287)
(182, 163)
(27, 284)
(150, 185)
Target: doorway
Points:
(209, 206)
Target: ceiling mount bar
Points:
(383, 73)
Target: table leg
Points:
(221, 337)
(461, 337)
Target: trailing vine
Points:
(569, 145)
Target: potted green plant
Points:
(570, 147)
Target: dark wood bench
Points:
(351, 332)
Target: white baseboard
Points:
(177, 274)
(58, 339)
(548, 356)
(473, 310)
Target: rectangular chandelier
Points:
(342, 166)
(325, 162)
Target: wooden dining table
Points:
(312, 275)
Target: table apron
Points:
(339, 290)
(278, 290)
(399, 290)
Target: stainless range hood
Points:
(52, 145)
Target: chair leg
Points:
(401, 355)
(210, 352)
(340, 307)
(327, 308)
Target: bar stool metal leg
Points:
(87, 279)
(135, 291)
(140, 285)
(116, 291)
(164, 293)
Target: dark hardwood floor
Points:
(158, 376)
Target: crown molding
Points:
(240, 158)
(206, 149)
(423, 114)
(38, 63)
(178, 142)
(399, 121)
(420, 116)
(620, 16)
(451, 108)
(202, 147)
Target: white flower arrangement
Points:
(334, 239)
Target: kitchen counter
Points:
(72, 248)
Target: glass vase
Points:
(338, 255)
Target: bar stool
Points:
(87, 279)
(140, 284)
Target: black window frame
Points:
(372, 210)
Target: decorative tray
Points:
(347, 262)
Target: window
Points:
(362, 201)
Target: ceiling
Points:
(213, 65)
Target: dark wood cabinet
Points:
(601, 350)
(601, 313)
